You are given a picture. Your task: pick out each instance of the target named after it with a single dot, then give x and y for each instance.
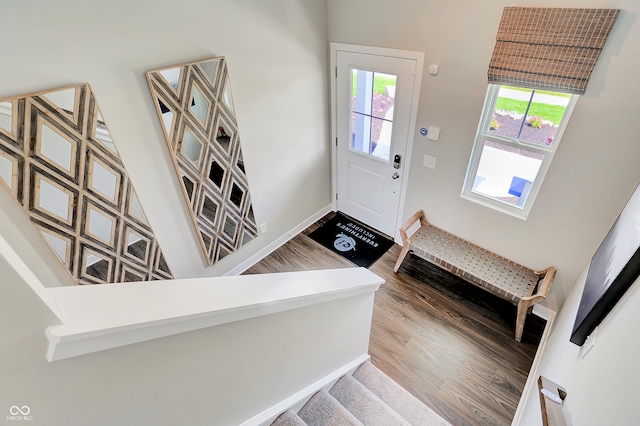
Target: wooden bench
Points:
(500, 276)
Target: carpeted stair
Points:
(367, 397)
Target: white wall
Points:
(216, 376)
(594, 170)
(602, 388)
(277, 58)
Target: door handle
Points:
(395, 176)
(396, 161)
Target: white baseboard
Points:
(270, 248)
(298, 399)
(532, 380)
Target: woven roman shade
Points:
(549, 48)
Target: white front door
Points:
(374, 106)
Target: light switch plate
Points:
(429, 161)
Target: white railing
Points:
(100, 317)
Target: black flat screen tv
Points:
(615, 266)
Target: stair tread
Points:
(324, 410)
(396, 397)
(364, 405)
(288, 418)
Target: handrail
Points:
(107, 316)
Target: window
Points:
(372, 112)
(518, 134)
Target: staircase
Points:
(367, 397)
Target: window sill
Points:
(496, 205)
(101, 317)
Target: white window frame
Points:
(483, 134)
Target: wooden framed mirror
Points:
(58, 161)
(196, 112)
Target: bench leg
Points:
(523, 309)
(403, 254)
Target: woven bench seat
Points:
(496, 274)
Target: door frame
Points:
(411, 131)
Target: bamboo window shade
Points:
(549, 48)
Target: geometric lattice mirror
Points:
(196, 112)
(58, 161)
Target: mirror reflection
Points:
(191, 147)
(209, 209)
(78, 194)
(56, 147)
(135, 208)
(216, 174)
(171, 76)
(167, 117)
(188, 186)
(223, 253)
(59, 245)
(64, 100)
(97, 266)
(209, 68)
(53, 199)
(223, 137)
(161, 264)
(246, 237)
(230, 227)
(6, 111)
(101, 134)
(137, 246)
(236, 195)
(199, 106)
(227, 96)
(240, 162)
(7, 165)
(196, 98)
(103, 180)
(101, 226)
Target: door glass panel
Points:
(506, 173)
(372, 112)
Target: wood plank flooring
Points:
(447, 342)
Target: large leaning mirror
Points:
(196, 112)
(58, 161)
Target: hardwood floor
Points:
(447, 342)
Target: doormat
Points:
(352, 240)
